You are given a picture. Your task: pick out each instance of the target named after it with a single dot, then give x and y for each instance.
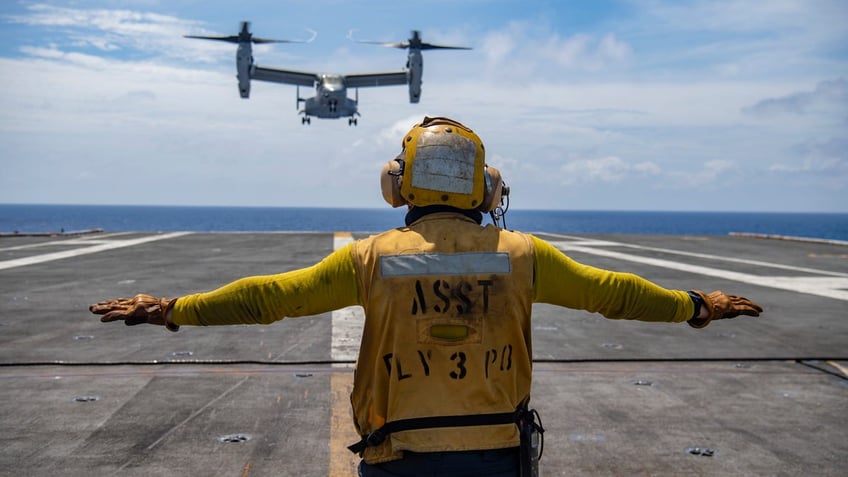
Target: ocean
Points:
(18, 218)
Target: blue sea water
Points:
(54, 218)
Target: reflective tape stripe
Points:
(469, 263)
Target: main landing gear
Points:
(351, 122)
(306, 120)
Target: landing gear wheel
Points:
(351, 122)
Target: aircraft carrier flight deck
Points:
(762, 396)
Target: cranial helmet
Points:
(442, 163)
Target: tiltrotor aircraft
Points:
(330, 100)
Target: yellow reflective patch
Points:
(449, 332)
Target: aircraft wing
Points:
(376, 79)
(300, 78)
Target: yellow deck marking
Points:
(342, 433)
(347, 333)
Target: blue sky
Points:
(605, 105)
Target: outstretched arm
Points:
(559, 280)
(325, 286)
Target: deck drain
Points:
(86, 398)
(702, 451)
(742, 365)
(642, 382)
(303, 375)
(181, 354)
(234, 438)
(611, 346)
(83, 337)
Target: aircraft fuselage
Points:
(330, 100)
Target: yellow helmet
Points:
(442, 163)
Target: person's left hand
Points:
(136, 310)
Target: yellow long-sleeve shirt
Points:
(331, 284)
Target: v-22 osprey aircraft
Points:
(330, 100)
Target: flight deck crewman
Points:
(442, 380)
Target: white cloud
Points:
(498, 46)
(744, 16)
(78, 59)
(714, 170)
(527, 51)
(611, 48)
(108, 30)
(606, 169)
(829, 157)
(391, 135)
(830, 94)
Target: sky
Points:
(583, 105)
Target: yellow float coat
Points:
(447, 329)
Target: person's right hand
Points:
(136, 310)
(718, 305)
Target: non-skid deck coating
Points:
(748, 397)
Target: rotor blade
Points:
(237, 39)
(400, 44)
(246, 36)
(413, 43)
(268, 40)
(313, 34)
(422, 46)
(428, 46)
(231, 38)
(389, 44)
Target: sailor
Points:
(443, 377)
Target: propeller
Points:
(414, 43)
(245, 36)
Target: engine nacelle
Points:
(244, 64)
(415, 65)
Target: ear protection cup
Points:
(390, 178)
(493, 191)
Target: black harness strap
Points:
(377, 437)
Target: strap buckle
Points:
(375, 438)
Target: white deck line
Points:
(827, 286)
(347, 322)
(582, 241)
(99, 246)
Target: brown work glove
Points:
(136, 310)
(722, 306)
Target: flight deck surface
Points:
(743, 397)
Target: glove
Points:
(136, 310)
(722, 306)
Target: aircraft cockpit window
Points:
(333, 83)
